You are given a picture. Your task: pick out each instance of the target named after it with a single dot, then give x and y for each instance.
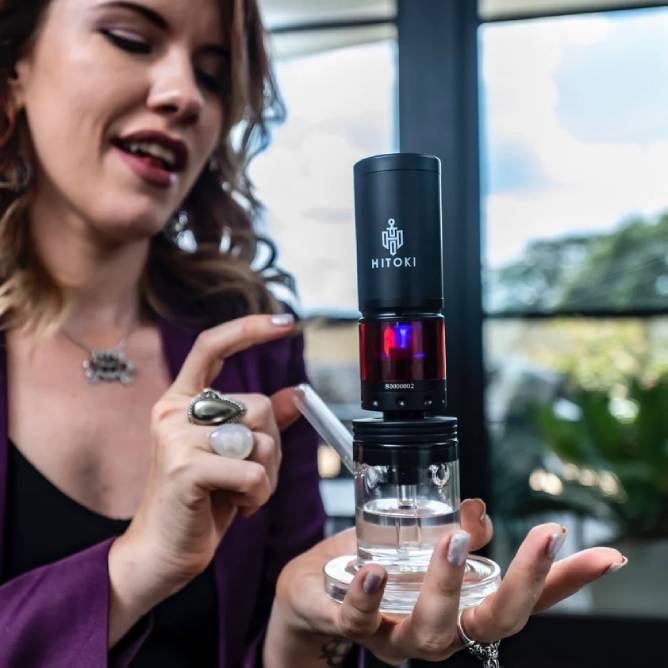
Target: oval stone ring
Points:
(211, 408)
(232, 440)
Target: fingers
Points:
(430, 631)
(475, 520)
(212, 346)
(266, 451)
(571, 574)
(506, 611)
(248, 482)
(359, 616)
(286, 412)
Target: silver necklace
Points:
(108, 366)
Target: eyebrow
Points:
(159, 21)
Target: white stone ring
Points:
(211, 408)
(232, 440)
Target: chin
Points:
(131, 228)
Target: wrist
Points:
(135, 580)
(291, 642)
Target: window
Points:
(340, 105)
(339, 86)
(575, 211)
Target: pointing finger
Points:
(212, 346)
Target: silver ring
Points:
(211, 408)
(232, 440)
(488, 653)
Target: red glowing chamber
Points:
(402, 350)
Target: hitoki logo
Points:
(393, 240)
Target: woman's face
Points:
(123, 102)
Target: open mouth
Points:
(152, 153)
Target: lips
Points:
(156, 148)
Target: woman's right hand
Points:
(193, 494)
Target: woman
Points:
(124, 536)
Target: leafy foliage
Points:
(632, 448)
(627, 267)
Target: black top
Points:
(46, 525)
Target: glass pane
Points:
(490, 10)
(577, 414)
(341, 108)
(575, 140)
(281, 13)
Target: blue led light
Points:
(403, 336)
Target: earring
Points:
(20, 177)
(214, 165)
(178, 223)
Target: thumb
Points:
(286, 412)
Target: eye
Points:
(213, 83)
(132, 45)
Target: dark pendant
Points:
(108, 366)
(212, 408)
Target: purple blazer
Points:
(58, 615)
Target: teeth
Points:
(155, 150)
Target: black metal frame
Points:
(336, 24)
(438, 113)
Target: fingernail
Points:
(459, 548)
(613, 568)
(483, 515)
(282, 319)
(372, 583)
(556, 543)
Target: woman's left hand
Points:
(305, 617)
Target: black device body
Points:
(400, 284)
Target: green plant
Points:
(613, 452)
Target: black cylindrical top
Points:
(398, 230)
(405, 443)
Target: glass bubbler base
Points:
(481, 578)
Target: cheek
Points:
(69, 106)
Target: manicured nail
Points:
(613, 568)
(372, 583)
(459, 548)
(483, 515)
(556, 543)
(282, 319)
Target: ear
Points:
(16, 84)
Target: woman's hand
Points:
(305, 620)
(193, 494)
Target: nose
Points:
(175, 91)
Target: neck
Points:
(100, 278)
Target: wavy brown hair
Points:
(205, 284)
